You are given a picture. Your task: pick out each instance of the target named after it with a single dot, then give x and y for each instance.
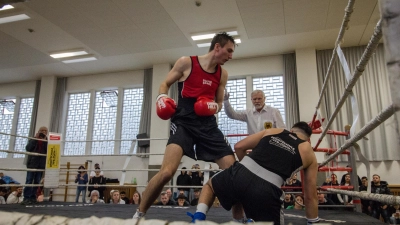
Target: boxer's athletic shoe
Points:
(196, 216)
(138, 215)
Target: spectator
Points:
(169, 194)
(324, 201)
(116, 197)
(7, 179)
(395, 218)
(39, 192)
(94, 197)
(3, 193)
(93, 173)
(82, 179)
(379, 209)
(345, 199)
(196, 176)
(293, 182)
(364, 188)
(96, 183)
(35, 162)
(195, 200)
(181, 192)
(182, 200)
(16, 197)
(184, 180)
(136, 198)
(164, 200)
(287, 201)
(260, 117)
(298, 203)
(123, 197)
(334, 182)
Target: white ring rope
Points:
(384, 115)
(24, 153)
(370, 49)
(346, 19)
(388, 199)
(32, 138)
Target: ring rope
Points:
(24, 153)
(370, 49)
(384, 115)
(388, 199)
(345, 21)
(32, 138)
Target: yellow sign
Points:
(53, 156)
(267, 125)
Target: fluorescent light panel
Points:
(211, 35)
(68, 54)
(83, 59)
(6, 7)
(14, 18)
(202, 45)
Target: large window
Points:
(239, 95)
(100, 122)
(105, 115)
(237, 98)
(21, 126)
(131, 111)
(77, 123)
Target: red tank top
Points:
(200, 82)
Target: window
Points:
(274, 96)
(237, 98)
(77, 123)
(131, 112)
(100, 122)
(105, 115)
(23, 111)
(6, 119)
(24, 125)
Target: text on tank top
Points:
(278, 153)
(199, 82)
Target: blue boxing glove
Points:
(312, 221)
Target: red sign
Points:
(55, 137)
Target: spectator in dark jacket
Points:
(96, 182)
(364, 188)
(184, 180)
(35, 162)
(378, 208)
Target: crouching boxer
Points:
(194, 131)
(255, 181)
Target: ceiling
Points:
(136, 34)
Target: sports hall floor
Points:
(174, 213)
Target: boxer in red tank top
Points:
(194, 131)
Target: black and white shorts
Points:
(261, 200)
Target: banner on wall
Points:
(53, 159)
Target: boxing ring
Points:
(80, 213)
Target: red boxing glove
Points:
(166, 106)
(205, 107)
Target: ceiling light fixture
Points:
(6, 7)
(70, 53)
(210, 35)
(208, 44)
(75, 59)
(9, 19)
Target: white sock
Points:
(203, 208)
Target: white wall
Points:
(22, 89)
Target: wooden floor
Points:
(174, 213)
